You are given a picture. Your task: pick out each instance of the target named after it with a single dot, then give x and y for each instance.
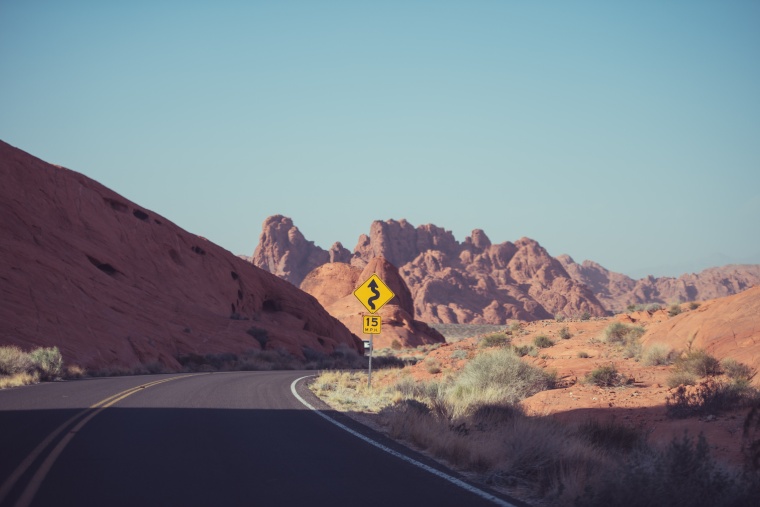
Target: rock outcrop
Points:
(113, 284)
(333, 285)
(727, 327)
(283, 250)
(470, 282)
(616, 291)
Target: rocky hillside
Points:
(333, 285)
(616, 291)
(451, 282)
(113, 284)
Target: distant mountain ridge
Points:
(478, 282)
(616, 291)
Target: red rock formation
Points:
(333, 286)
(728, 327)
(474, 281)
(283, 250)
(113, 284)
(616, 290)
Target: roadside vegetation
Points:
(472, 418)
(19, 368)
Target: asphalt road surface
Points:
(219, 439)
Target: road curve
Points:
(220, 439)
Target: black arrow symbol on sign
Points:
(371, 301)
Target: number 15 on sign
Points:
(372, 324)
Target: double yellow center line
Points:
(83, 417)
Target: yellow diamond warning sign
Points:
(371, 324)
(373, 293)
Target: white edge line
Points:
(438, 473)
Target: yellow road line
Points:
(33, 486)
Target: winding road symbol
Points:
(373, 287)
(373, 293)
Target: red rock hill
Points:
(114, 284)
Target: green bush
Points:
(681, 378)
(13, 361)
(699, 363)
(564, 333)
(622, 334)
(736, 370)
(542, 341)
(585, 316)
(658, 355)
(501, 377)
(605, 376)
(44, 363)
(48, 361)
(495, 340)
(525, 350)
(709, 397)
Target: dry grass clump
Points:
(542, 341)
(348, 390)
(658, 355)
(19, 368)
(565, 333)
(626, 337)
(495, 340)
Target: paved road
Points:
(222, 439)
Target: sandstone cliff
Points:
(113, 284)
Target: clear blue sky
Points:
(623, 132)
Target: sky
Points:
(627, 133)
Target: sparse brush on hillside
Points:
(658, 355)
(495, 340)
(626, 337)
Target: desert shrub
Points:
(682, 474)
(564, 333)
(459, 354)
(658, 355)
(654, 307)
(681, 378)
(542, 341)
(736, 370)
(260, 335)
(674, 309)
(433, 366)
(619, 333)
(605, 376)
(13, 360)
(395, 344)
(698, 362)
(585, 316)
(497, 377)
(583, 354)
(693, 305)
(709, 397)
(559, 317)
(495, 340)
(515, 328)
(525, 350)
(611, 435)
(48, 362)
(632, 307)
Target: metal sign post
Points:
(373, 294)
